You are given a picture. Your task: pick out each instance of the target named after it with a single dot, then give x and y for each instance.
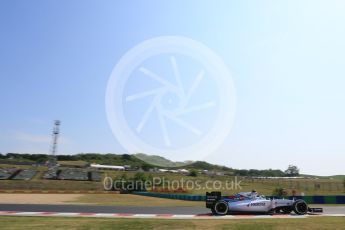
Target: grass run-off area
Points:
(95, 199)
(132, 200)
(321, 186)
(9, 223)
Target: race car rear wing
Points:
(212, 198)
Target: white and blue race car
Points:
(251, 202)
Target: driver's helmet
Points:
(254, 194)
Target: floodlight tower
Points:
(55, 135)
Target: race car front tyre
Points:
(221, 208)
(300, 207)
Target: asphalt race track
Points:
(128, 209)
(102, 209)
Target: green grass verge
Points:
(41, 223)
(133, 200)
(322, 186)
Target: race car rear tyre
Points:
(221, 208)
(300, 207)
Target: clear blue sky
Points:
(287, 59)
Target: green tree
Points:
(145, 167)
(291, 171)
(193, 172)
(126, 157)
(139, 176)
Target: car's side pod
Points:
(212, 198)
